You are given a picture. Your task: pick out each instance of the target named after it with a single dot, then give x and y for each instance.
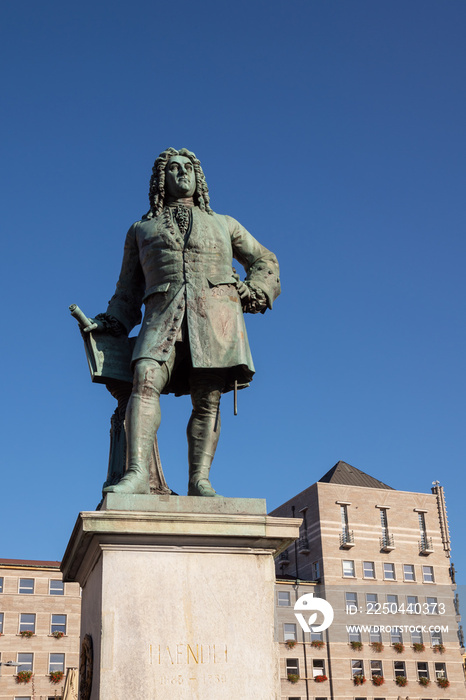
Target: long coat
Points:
(192, 277)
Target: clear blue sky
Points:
(335, 132)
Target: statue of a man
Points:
(178, 261)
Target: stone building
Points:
(381, 557)
(39, 628)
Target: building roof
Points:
(343, 473)
(38, 564)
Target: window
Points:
(422, 669)
(59, 624)
(284, 599)
(26, 586)
(375, 636)
(435, 638)
(56, 662)
(371, 602)
(292, 666)
(318, 667)
(396, 636)
(26, 661)
(368, 569)
(315, 570)
(344, 519)
(408, 572)
(440, 670)
(413, 607)
(1, 584)
(392, 601)
(376, 668)
(351, 600)
(348, 568)
(56, 588)
(389, 572)
(384, 522)
(422, 526)
(27, 623)
(416, 636)
(357, 667)
(317, 636)
(354, 636)
(399, 668)
(432, 606)
(428, 574)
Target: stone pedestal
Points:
(178, 596)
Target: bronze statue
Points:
(178, 261)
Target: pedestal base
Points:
(179, 597)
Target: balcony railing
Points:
(283, 559)
(387, 543)
(347, 539)
(425, 546)
(304, 545)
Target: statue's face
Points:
(180, 178)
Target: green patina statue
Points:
(177, 261)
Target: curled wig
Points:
(157, 182)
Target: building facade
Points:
(39, 628)
(381, 557)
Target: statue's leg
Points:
(203, 428)
(142, 422)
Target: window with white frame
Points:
(27, 622)
(56, 587)
(376, 668)
(1, 584)
(432, 605)
(1, 623)
(26, 586)
(412, 607)
(392, 602)
(289, 631)
(26, 662)
(395, 636)
(292, 666)
(351, 600)
(318, 667)
(375, 635)
(399, 668)
(389, 571)
(371, 602)
(25, 697)
(348, 568)
(422, 669)
(408, 572)
(440, 670)
(283, 599)
(428, 574)
(58, 624)
(317, 636)
(56, 662)
(357, 667)
(354, 636)
(435, 638)
(368, 569)
(416, 635)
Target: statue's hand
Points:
(95, 326)
(243, 289)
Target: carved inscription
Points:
(185, 654)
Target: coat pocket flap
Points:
(215, 280)
(156, 288)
